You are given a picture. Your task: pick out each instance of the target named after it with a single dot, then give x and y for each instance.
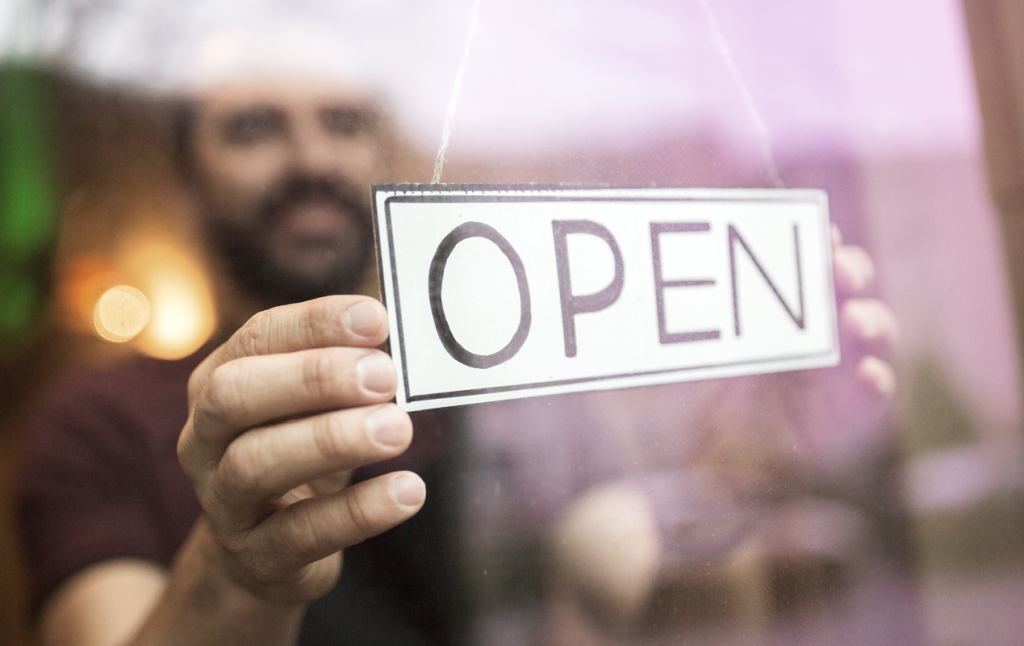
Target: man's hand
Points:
(827, 423)
(842, 410)
(280, 414)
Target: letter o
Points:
(436, 277)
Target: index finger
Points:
(349, 320)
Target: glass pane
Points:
(155, 155)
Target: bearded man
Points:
(237, 543)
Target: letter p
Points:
(573, 304)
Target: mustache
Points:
(301, 189)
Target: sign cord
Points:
(723, 49)
(453, 102)
(748, 100)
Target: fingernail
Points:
(363, 318)
(408, 490)
(388, 426)
(376, 373)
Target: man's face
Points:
(283, 172)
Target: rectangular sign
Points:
(500, 292)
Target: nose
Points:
(312, 152)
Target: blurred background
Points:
(910, 113)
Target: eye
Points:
(346, 121)
(253, 125)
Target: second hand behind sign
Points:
(498, 292)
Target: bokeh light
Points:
(151, 290)
(183, 316)
(121, 313)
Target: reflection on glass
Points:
(793, 508)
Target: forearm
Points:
(203, 604)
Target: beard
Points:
(276, 269)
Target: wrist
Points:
(204, 578)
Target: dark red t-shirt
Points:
(99, 476)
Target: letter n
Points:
(735, 237)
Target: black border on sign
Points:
(442, 195)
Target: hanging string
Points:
(720, 43)
(446, 131)
(748, 100)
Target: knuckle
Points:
(240, 470)
(321, 372)
(321, 322)
(238, 547)
(329, 438)
(251, 339)
(298, 537)
(222, 391)
(254, 562)
(357, 508)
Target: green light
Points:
(27, 197)
(18, 301)
(28, 200)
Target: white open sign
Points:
(500, 292)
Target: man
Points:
(276, 418)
